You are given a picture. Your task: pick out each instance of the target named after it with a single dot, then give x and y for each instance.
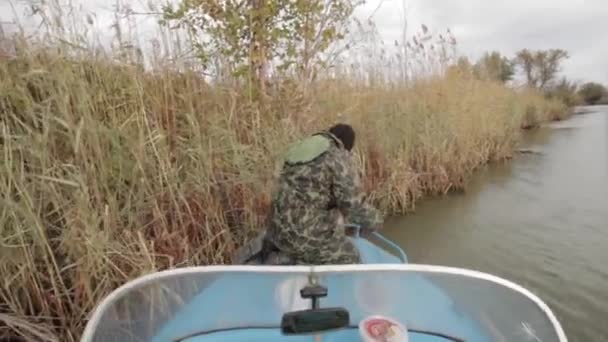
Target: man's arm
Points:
(349, 195)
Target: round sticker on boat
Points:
(382, 329)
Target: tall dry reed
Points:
(108, 172)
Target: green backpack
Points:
(308, 149)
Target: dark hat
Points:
(345, 133)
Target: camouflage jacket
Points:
(314, 198)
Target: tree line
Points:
(539, 70)
(251, 39)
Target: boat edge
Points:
(96, 316)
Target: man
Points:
(319, 190)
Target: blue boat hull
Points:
(431, 305)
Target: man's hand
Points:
(351, 231)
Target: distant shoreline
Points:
(588, 109)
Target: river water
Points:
(540, 220)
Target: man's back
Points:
(314, 192)
(303, 199)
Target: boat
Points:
(326, 303)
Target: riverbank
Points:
(109, 172)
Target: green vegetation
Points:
(248, 35)
(593, 93)
(539, 69)
(495, 67)
(110, 170)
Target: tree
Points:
(540, 67)
(247, 35)
(525, 59)
(591, 92)
(494, 66)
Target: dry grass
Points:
(108, 173)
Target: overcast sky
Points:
(578, 26)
